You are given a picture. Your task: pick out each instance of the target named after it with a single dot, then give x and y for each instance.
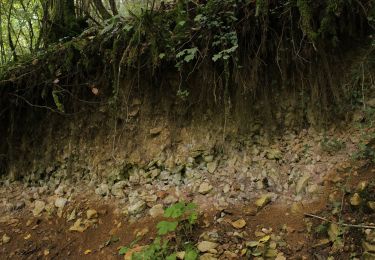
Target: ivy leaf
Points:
(191, 54)
(165, 227)
(198, 18)
(180, 54)
(217, 56)
(175, 211)
(171, 257)
(57, 101)
(193, 218)
(181, 23)
(191, 254)
(123, 250)
(191, 206)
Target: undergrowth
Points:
(233, 39)
(235, 56)
(174, 235)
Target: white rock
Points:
(117, 189)
(205, 188)
(39, 207)
(60, 202)
(164, 175)
(170, 199)
(211, 167)
(156, 211)
(137, 207)
(226, 188)
(102, 190)
(302, 183)
(60, 190)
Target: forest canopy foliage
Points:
(50, 47)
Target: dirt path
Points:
(49, 236)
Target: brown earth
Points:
(48, 237)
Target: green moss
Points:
(306, 12)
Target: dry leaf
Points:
(95, 91)
(88, 251)
(240, 223)
(129, 254)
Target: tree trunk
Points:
(101, 9)
(10, 40)
(61, 20)
(112, 4)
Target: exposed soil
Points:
(48, 236)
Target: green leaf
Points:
(165, 227)
(198, 18)
(181, 23)
(217, 56)
(57, 101)
(187, 54)
(191, 254)
(180, 54)
(193, 218)
(171, 257)
(175, 210)
(252, 244)
(191, 206)
(123, 250)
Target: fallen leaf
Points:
(252, 244)
(6, 239)
(322, 242)
(333, 232)
(271, 253)
(95, 91)
(263, 201)
(78, 226)
(129, 254)
(240, 223)
(180, 255)
(259, 234)
(28, 236)
(88, 251)
(142, 232)
(91, 214)
(280, 256)
(355, 200)
(264, 239)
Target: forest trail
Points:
(77, 221)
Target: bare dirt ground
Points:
(48, 236)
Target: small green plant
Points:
(365, 152)
(332, 145)
(262, 248)
(183, 216)
(366, 145)
(183, 94)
